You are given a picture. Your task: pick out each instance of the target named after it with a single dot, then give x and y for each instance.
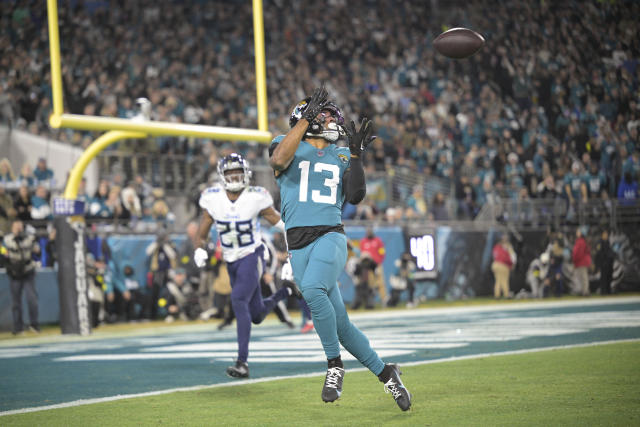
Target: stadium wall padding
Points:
(463, 261)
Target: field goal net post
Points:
(69, 212)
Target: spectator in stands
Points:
(98, 207)
(439, 207)
(130, 203)
(366, 210)
(466, 198)
(596, 181)
(628, 190)
(504, 259)
(581, 257)
(546, 189)
(160, 211)
(530, 179)
(416, 204)
(22, 204)
(82, 194)
(374, 246)
(42, 173)
(19, 250)
(575, 188)
(632, 163)
(7, 211)
(113, 203)
(143, 189)
(26, 176)
(513, 169)
(6, 172)
(40, 208)
(560, 100)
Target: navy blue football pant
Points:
(246, 297)
(316, 268)
(304, 308)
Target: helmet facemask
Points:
(234, 173)
(333, 131)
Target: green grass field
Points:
(584, 386)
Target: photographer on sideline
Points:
(18, 250)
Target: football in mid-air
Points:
(458, 43)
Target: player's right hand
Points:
(316, 104)
(359, 140)
(200, 257)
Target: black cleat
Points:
(333, 384)
(295, 291)
(394, 386)
(239, 370)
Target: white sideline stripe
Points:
(82, 402)
(160, 331)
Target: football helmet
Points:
(334, 130)
(237, 181)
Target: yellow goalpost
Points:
(69, 218)
(119, 129)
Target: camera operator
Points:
(403, 280)
(18, 251)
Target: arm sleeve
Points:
(355, 187)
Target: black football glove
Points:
(316, 104)
(359, 140)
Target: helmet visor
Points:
(234, 175)
(333, 111)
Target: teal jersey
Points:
(311, 187)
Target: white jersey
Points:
(236, 222)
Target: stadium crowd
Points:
(551, 101)
(548, 110)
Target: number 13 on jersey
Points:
(319, 196)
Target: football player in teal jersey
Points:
(315, 177)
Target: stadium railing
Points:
(542, 213)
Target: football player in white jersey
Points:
(235, 207)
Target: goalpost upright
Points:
(69, 213)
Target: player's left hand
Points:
(359, 140)
(200, 257)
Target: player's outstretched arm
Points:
(355, 187)
(285, 150)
